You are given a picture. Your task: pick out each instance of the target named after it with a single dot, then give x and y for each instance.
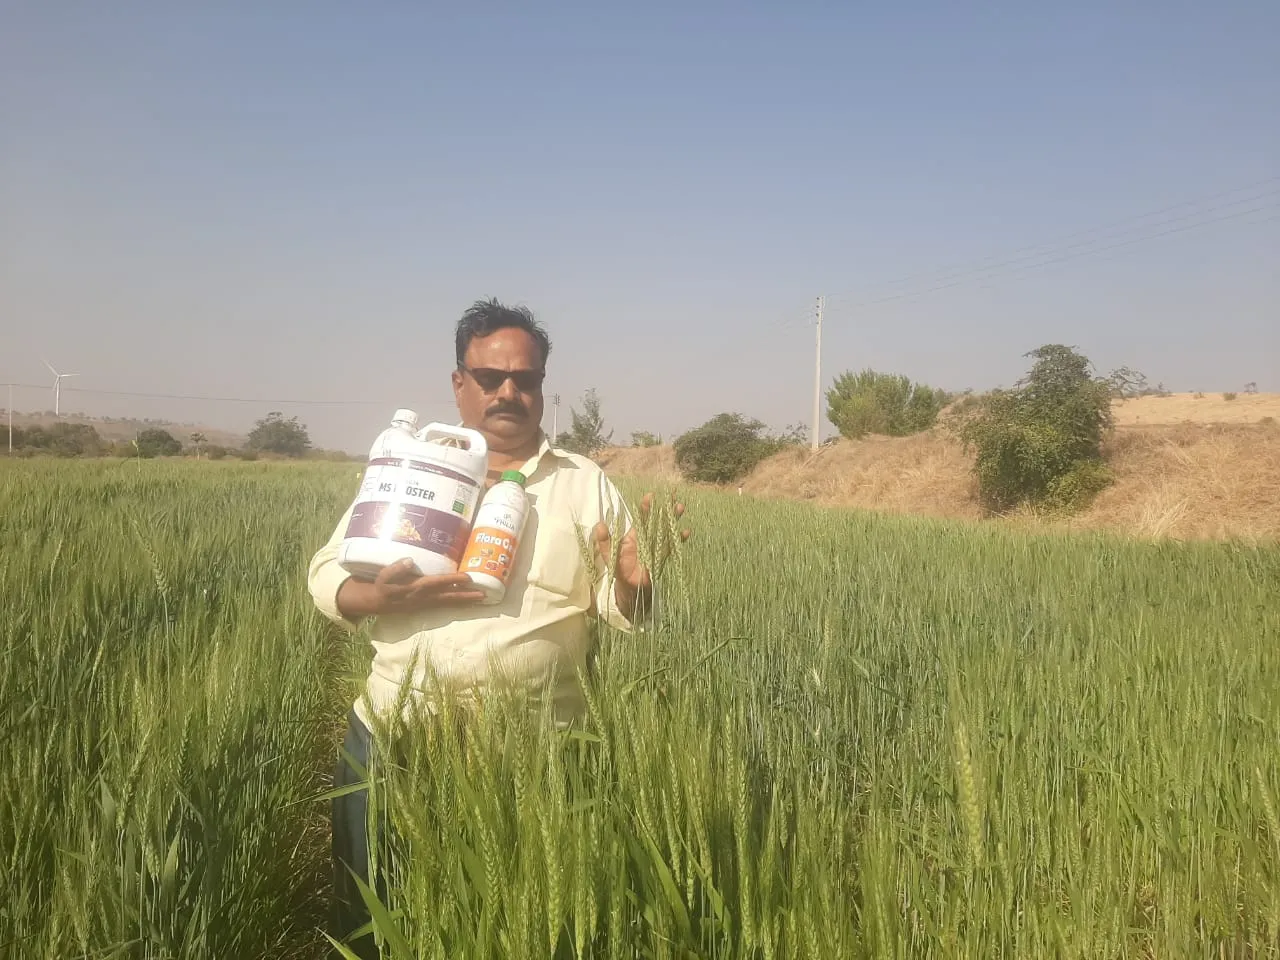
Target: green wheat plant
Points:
(838, 735)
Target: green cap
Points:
(515, 476)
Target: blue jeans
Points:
(350, 841)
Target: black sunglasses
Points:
(491, 380)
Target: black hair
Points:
(488, 316)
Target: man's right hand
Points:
(399, 589)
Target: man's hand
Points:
(633, 584)
(399, 589)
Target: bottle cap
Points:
(407, 415)
(515, 476)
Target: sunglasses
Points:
(491, 380)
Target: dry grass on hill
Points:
(1196, 408)
(1190, 481)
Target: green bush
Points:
(882, 403)
(154, 442)
(1041, 442)
(1076, 488)
(643, 438)
(724, 449)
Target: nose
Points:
(507, 390)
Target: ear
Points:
(456, 377)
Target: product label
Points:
(496, 537)
(491, 550)
(415, 503)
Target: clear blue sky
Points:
(296, 200)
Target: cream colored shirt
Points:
(537, 637)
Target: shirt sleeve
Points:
(612, 506)
(325, 578)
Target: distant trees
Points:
(643, 438)
(1125, 382)
(274, 434)
(586, 434)
(1041, 442)
(57, 440)
(882, 403)
(154, 442)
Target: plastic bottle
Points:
(402, 422)
(495, 537)
(416, 501)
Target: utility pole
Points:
(10, 409)
(817, 376)
(555, 416)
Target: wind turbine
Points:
(57, 387)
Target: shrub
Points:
(215, 451)
(643, 438)
(154, 442)
(884, 403)
(1041, 441)
(1076, 488)
(1228, 396)
(723, 449)
(274, 434)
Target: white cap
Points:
(407, 416)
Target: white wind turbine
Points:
(57, 387)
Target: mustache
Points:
(511, 407)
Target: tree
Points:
(1126, 382)
(793, 435)
(1041, 442)
(586, 434)
(723, 449)
(643, 438)
(275, 434)
(882, 403)
(154, 442)
(198, 441)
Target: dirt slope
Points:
(1187, 481)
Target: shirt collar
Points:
(544, 447)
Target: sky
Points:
(271, 203)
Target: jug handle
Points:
(474, 439)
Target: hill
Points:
(125, 429)
(1180, 472)
(1197, 408)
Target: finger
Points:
(600, 534)
(400, 572)
(444, 580)
(679, 510)
(646, 504)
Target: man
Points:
(537, 637)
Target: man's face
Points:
(507, 410)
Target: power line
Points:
(177, 396)
(994, 271)
(1049, 247)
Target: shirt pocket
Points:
(557, 563)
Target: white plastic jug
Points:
(402, 422)
(417, 501)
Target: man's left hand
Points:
(632, 580)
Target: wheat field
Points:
(843, 735)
